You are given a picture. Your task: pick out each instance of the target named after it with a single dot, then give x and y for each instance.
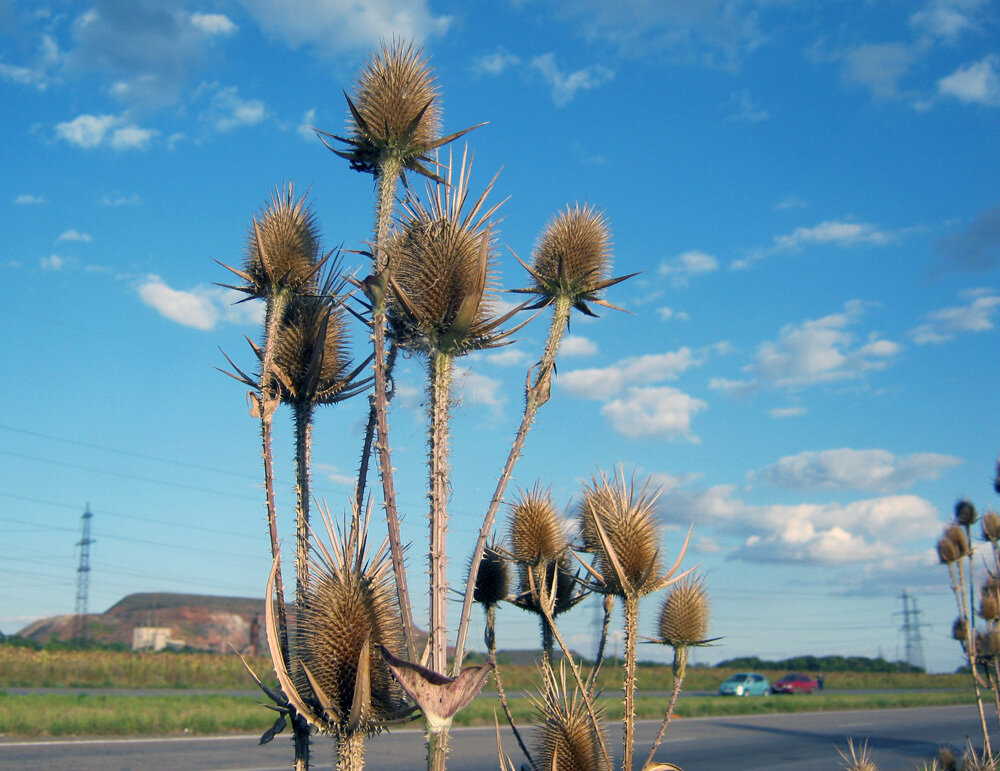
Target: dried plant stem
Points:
(491, 644)
(438, 738)
(631, 632)
(439, 375)
(536, 394)
(351, 752)
(680, 670)
(389, 171)
(584, 692)
(968, 613)
(303, 449)
(366, 452)
(609, 605)
(272, 528)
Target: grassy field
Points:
(179, 712)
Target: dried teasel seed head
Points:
(284, 248)
(989, 606)
(629, 519)
(558, 572)
(565, 736)
(493, 578)
(537, 534)
(572, 258)
(947, 551)
(991, 526)
(684, 615)
(347, 611)
(946, 759)
(956, 534)
(960, 629)
(965, 513)
(988, 643)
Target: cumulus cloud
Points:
(604, 383)
(507, 357)
(565, 85)
(495, 63)
(821, 350)
(849, 469)
(854, 533)
(977, 83)
(879, 67)
(978, 246)
(473, 388)
(227, 110)
(74, 235)
(656, 412)
(203, 307)
(29, 199)
(577, 345)
(333, 27)
(305, 127)
(832, 232)
(682, 268)
(213, 23)
(948, 19)
(92, 131)
(780, 413)
(668, 314)
(975, 316)
(52, 263)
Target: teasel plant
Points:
(567, 739)
(571, 267)
(955, 550)
(341, 684)
(393, 127)
(619, 525)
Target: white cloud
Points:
(28, 199)
(507, 357)
(335, 475)
(790, 202)
(669, 313)
(332, 27)
(977, 83)
(24, 76)
(821, 350)
(73, 235)
(577, 345)
(734, 388)
(786, 412)
(473, 388)
(854, 533)
(92, 131)
(53, 262)
(660, 412)
(832, 232)
(202, 307)
(305, 127)
(947, 19)
(227, 110)
(495, 63)
(604, 383)
(978, 246)
(213, 23)
(976, 316)
(879, 67)
(745, 110)
(687, 265)
(120, 200)
(849, 469)
(565, 85)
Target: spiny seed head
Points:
(629, 520)
(396, 108)
(537, 534)
(493, 578)
(442, 264)
(965, 513)
(313, 332)
(959, 629)
(989, 606)
(956, 534)
(991, 526)
(947, 551)
(566, 739)
(346, 613)
(283, 248)
(988, 643)
(684, 616)
(559, 572)
(572, 258)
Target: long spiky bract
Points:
(572, 262)
(566, 738)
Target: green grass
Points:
(52, 715)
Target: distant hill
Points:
(195, 621)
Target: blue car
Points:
(745, 684)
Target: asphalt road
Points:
(900, 739)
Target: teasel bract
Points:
(567, 738)
(619, 524)
(340, 682)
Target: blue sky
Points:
(809, 363)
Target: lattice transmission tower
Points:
(911, 631)
(83, 580)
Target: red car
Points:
(795, 683)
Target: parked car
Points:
(795, 683)
(745, 684)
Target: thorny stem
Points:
(437, 747)
(535, 396)
(439, 375)
(680, 669)
(366, 453)
(609, 604)
(351, 752)
(303, 449)
(970, 650)
(631, 630)
(387, 178)
(575, 669)
(491, 645)
(272, 527)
